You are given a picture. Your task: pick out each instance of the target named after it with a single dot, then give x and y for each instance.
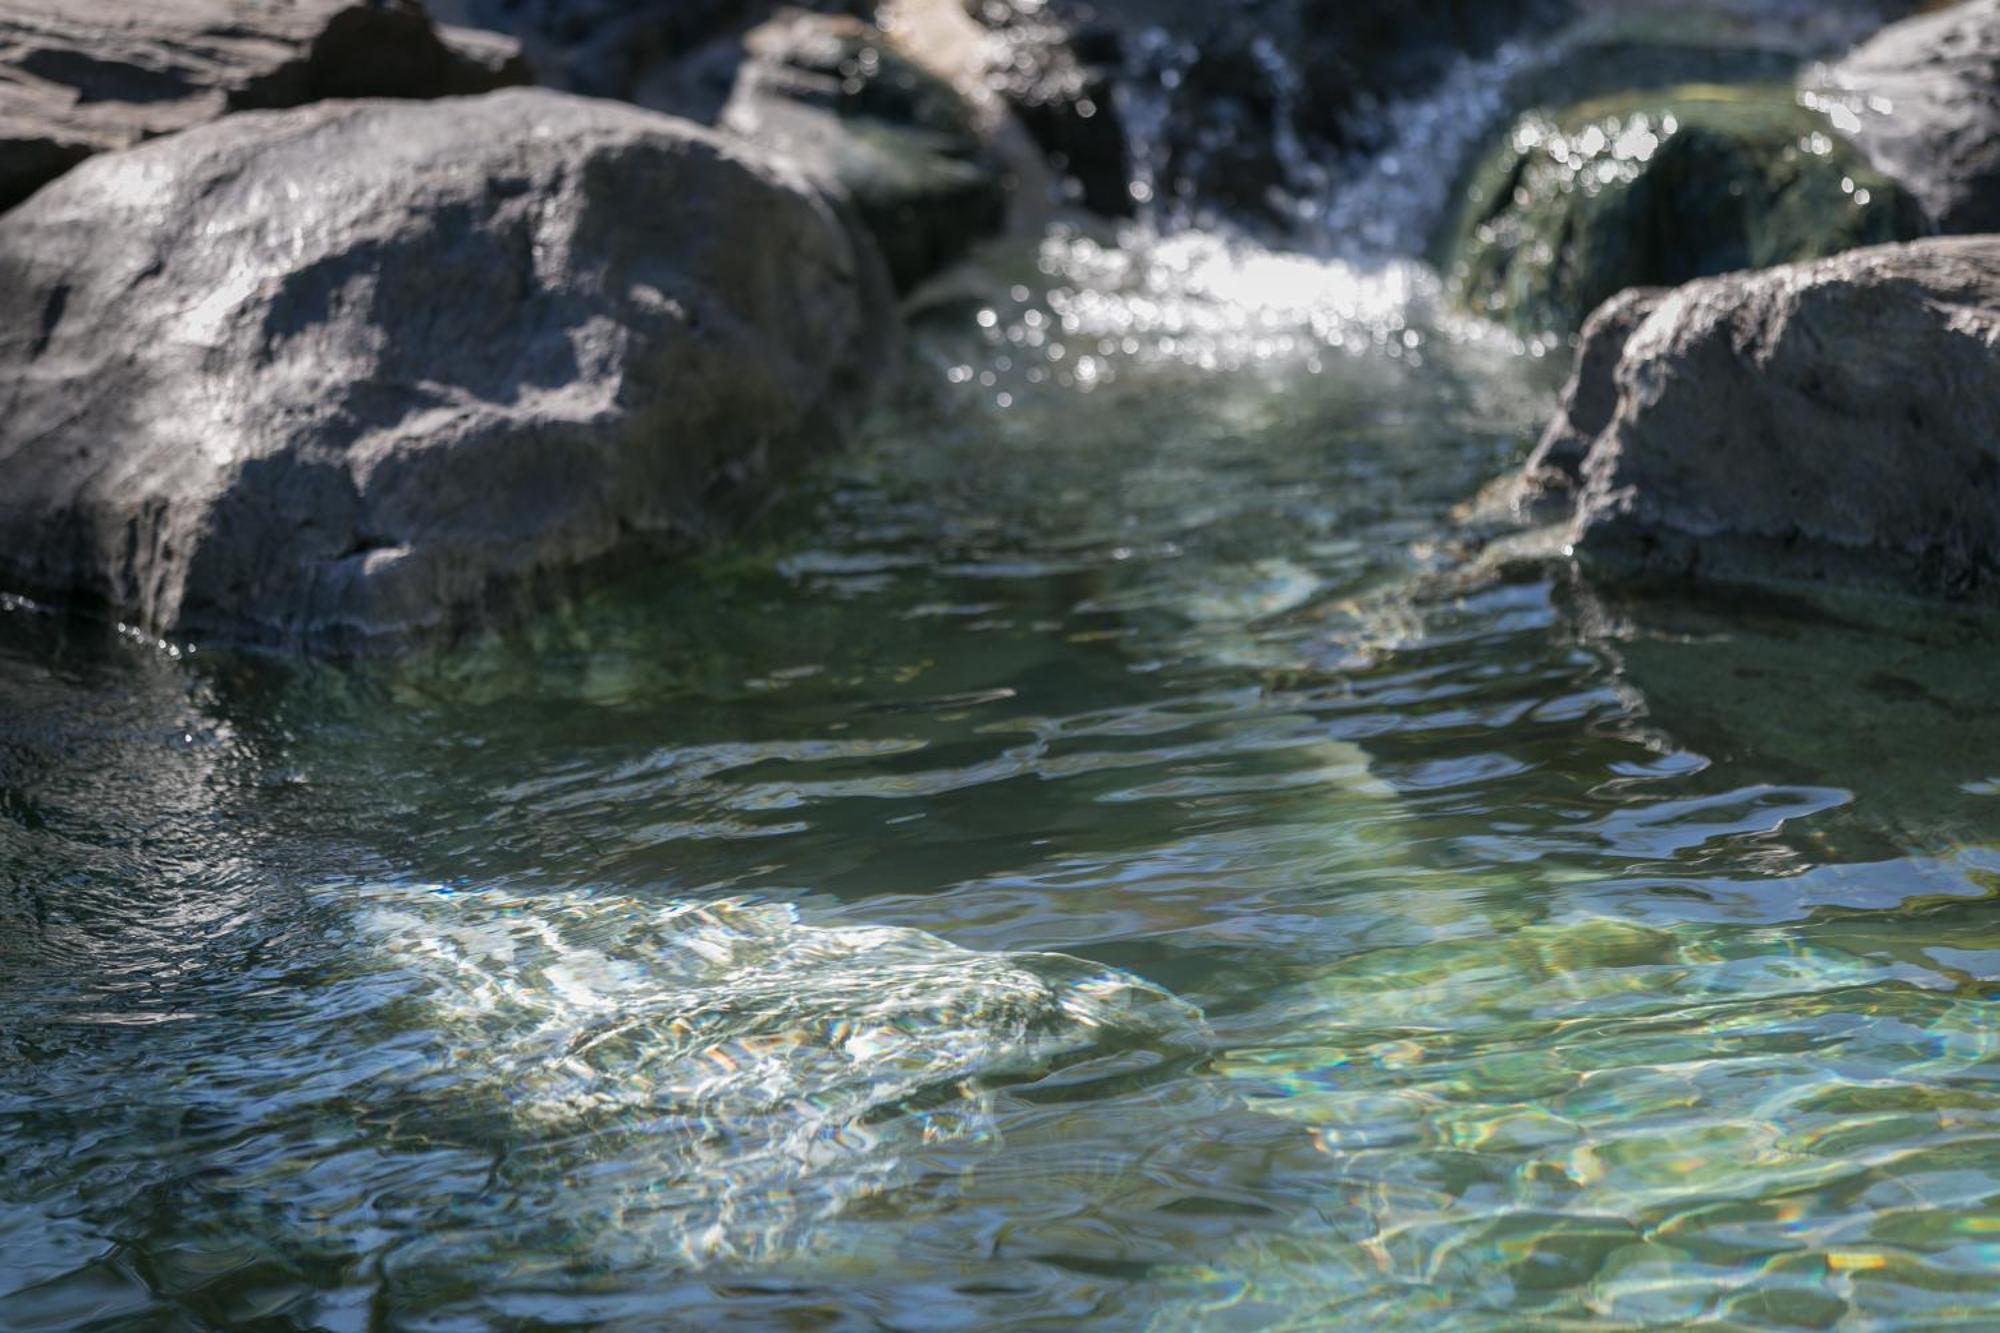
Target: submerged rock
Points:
(769, 1073)
(79, 77)
(835, 96)
(347, 374)
(1923, 101)
(1751, 680)
(1575, 206)
(1833, 423)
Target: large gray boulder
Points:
(79, 77)
(1828, 423)
(1922, 99)
(343, 376)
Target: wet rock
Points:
(608, 48)
(79, 77)
(1923, 101)
(1834, 423)
(1797, 29)
(1589, 401)
(1224, 149)
(837, 98)
(486, 347)
(1576, 206)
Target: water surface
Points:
(1054, 872)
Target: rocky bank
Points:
(354, 374)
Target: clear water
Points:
(1056, 872)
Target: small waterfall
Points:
(1155, 70)
(1180, 287)
(1378, 205)
(1306, 175)
(1391, 201)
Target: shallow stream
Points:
(1059, 869)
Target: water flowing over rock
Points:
(79, 77)
(1923, 101)
(773, 1072)
(1832, 423)
(348, 374)
(1231, 106)
(1660, 189)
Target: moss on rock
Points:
(1576, 205)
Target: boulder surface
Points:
(1658, 189)
(346, 375)
(1830, 423)
(79, 77)
(1922, 99)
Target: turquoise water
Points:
(1056, 871)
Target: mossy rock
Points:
(1574, 206)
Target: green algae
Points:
(1577, 204)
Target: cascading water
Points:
(1184, 285)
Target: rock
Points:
(612, 48)
(1798, 29)
(1589, 401)
(837, 98)
(1834, 423)
(349, 375)
(1923, 101)
(79, 77)
(1224, 148)
(485, 61)
(1574, 207)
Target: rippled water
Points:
(1058, 870)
